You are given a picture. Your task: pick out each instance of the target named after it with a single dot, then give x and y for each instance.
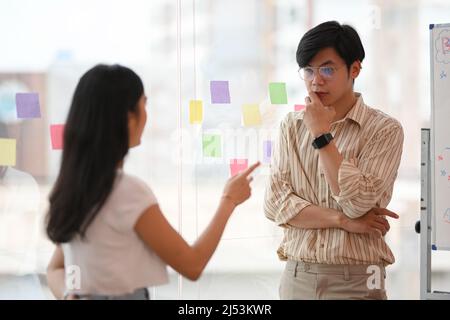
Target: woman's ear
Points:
(132, 123)
(132, 128)
(132, 119)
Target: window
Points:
(178, 48)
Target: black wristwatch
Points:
(322, 141)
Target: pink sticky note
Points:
(57, 133)
(299, 107)
(238, 165)
(446, 44)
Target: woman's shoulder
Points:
(131, 184)
(130, 179)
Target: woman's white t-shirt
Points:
(112, 259)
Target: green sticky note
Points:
(212, 146)
(251, 115)
(278, 93)
(7, 152)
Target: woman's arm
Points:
(190, 261)
(55, 273)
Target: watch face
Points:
(322, 140)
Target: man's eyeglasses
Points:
(326, 72)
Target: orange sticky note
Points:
(195, 111)
(7, 152)
(238, 165)
(57, 134)
(251, 115)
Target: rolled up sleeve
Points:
(365, 180)
(281, 203)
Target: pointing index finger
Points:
(250, 169)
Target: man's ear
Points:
(355, 69)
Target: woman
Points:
(108, 227)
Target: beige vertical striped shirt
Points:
(371, 143)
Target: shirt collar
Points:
(356, 113)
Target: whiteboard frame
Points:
(431, 175)
(426, 222)
(428, 194)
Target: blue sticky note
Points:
(220, 92)
(28, 105)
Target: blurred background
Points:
(178, 47)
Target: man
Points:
(19, 232)
(333, 171)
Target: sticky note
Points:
(212, 146)
(7, 152)
(195, 111)
(238, 165)
(27, 105)
(277, 92)
(267, 151)
(446, 44)
(57, 134)
(299, 107)
(251, 115)
(220, 92)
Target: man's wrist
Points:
(341, 220)
(319, 132)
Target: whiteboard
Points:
(440, 134)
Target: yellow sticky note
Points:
(7, 152)
(251, 115)
(195, 111)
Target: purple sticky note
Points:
(28, 105)
(220, 92)
(267, 151)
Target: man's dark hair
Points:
(343, 38)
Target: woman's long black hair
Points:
(95, 142)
